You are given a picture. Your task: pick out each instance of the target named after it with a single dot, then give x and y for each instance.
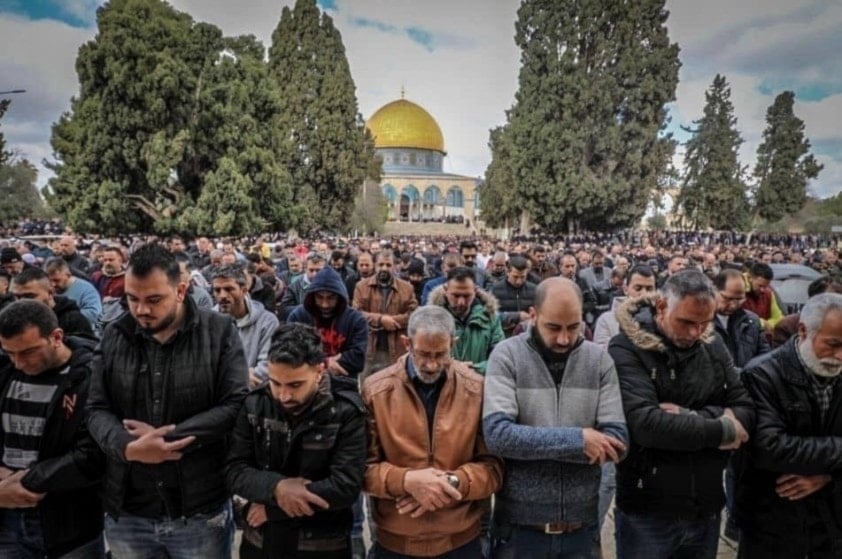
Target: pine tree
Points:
(784, 164)
(713, 193)
(587, 144)
(499, 208)
(19, 192)
(325, 146)
(166, 106)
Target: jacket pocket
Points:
(322, 437)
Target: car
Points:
(790, 284)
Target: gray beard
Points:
(826, 368)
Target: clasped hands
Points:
(428, 490)
(150, 446)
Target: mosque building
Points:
(410, 143)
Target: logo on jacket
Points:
(68, 404)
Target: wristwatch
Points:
(453, 481)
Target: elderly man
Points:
(788, 499)
(428, 467)
(553, 412)
(685, 408)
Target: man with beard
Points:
(294, 294)
(168, 381)
(789, 499)
(385, 302)
(298, 454)
(75, 261)
(686, 408)
(569, 269)
(33, 283)
(515, 294)
(110, 281)
(79, 290)
(49, 465)
(428, 470)
(365, 269)
(553, 412)
(343, 329)
(254, 323)
(468, 251)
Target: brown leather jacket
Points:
(399, 441)
(399, 304)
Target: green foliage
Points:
(4, 155)
(713, 193)
(831, 206)
(324, 145)
(584, 138)
(783, 163)
(656, 222)
(370, 210)
(19, 193)
(498, 206)
(168, 111)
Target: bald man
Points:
(67, 250)
(553, 411)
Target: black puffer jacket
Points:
(674, 467)
(744, 337)
(327, 445)
(790, 438)
(513, 301)
(70, 465)
(206, 386)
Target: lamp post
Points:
(12, 91)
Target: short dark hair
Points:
(56, 264)
(761, 270)
(235, 272)
(461, 273)
(721, 279)
(30, 274)
(644, 270)
(151, 257)
(823, 284)
(296, 344)
(25, 313)
(519, 263)
(116, 249)
(688, 283)
(467, 244)
(383, 254)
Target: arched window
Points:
(432, 195)
(455, 198)
(412, 193)
(390, 193)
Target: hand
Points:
(408, 505)
(137, 428)
(795, 487)
(524, 316)
(151, 448)
(670, 408)
(254, 380)
(334, 368)
(430, 488)
(256, 516)
(293, 498)
(388, 323)
(13, 495)
(601, 448)
(5, 472)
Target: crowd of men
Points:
(462, 399)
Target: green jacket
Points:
(479, 333)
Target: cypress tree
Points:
(713, 193)
(587, 143)
(324, 146)
(784, 164)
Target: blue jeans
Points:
(471, 550)
(208, 536)
(517, 542)
(21, 538)
(647, 537)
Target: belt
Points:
(554, 528)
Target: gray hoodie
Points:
(256, 329)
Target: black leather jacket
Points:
(326, 444)
(70, 465)
(203, 394)
(744, 337)
(790, 438)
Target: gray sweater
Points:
(536, 427)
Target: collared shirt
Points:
(428, 392)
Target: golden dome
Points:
(403, 124)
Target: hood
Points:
(64, 304)
(486, 299)
(636, 318)
(326, 280)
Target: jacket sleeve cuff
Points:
(394, 481)
(464, 482)
(729, 432)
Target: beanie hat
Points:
(9, 255)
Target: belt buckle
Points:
(555, 528)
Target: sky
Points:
(458, 59)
